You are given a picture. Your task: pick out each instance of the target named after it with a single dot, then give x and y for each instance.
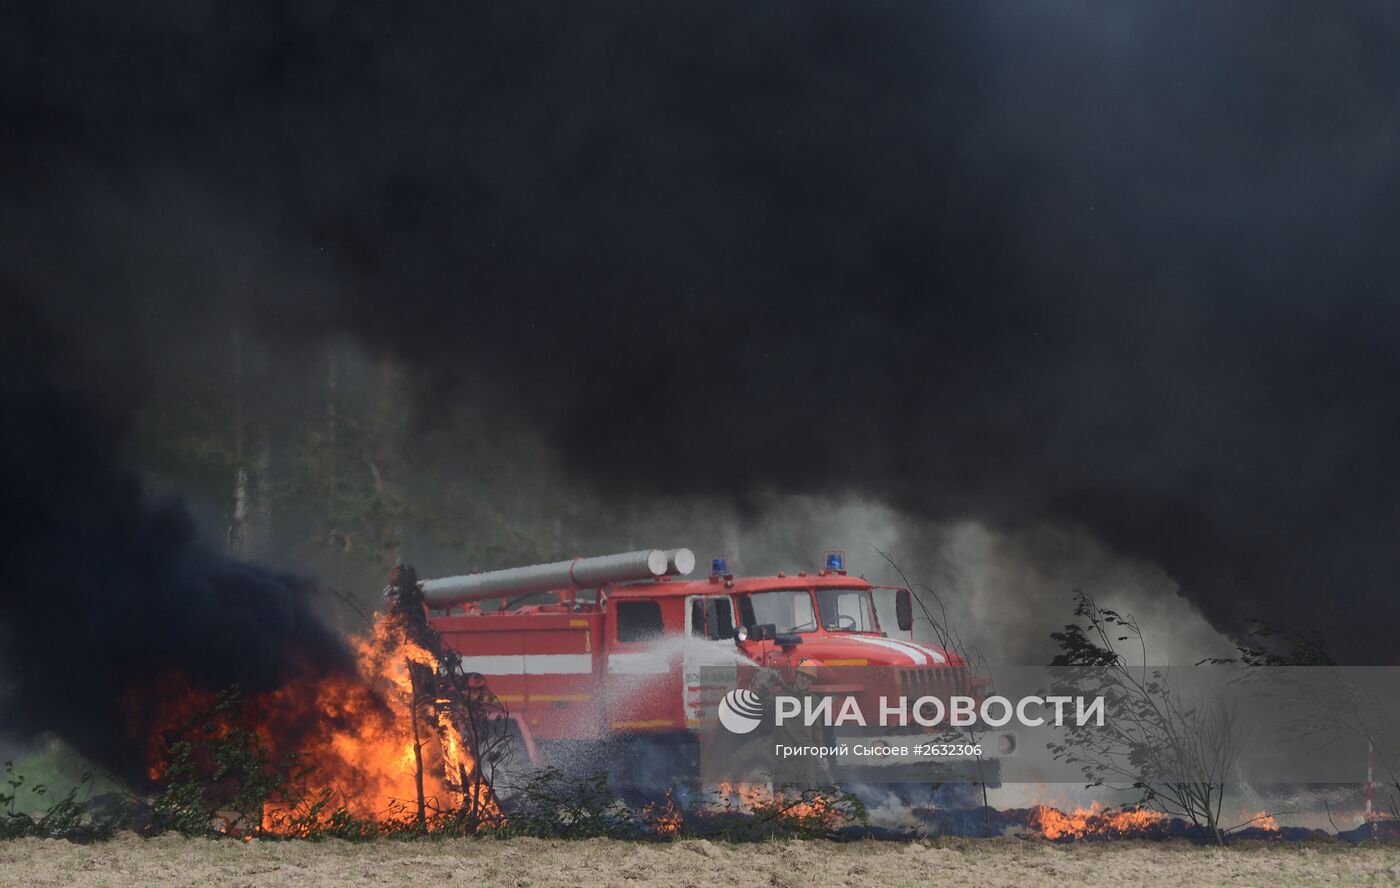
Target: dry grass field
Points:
(1015, 863)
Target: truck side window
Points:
(719, 619)
(638, 620)
(697, 618)
(746, 611)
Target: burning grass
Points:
(1094, 821)
(554, 805)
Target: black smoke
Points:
(1124, 266)
(111, 599)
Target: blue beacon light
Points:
(718, 567)
(835, 561)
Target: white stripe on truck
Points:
(917, 654)
(644, 663)
(529, 664)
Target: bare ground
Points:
(170, 860)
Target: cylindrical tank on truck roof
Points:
(679, 562)
(599, 570)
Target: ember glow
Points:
(762, 798)
(663, 816)
(360, 741)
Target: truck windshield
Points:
(788, 609)
(846, 610)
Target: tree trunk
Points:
(417, 754)
(250, 528)
(234, 538)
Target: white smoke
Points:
(1003, 593)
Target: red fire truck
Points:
(621, 652)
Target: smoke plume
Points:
(1125, 270)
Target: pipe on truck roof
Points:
(590, 573)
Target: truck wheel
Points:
(643, 770)
(939, 796)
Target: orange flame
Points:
(663, 816)
(753, 798)
(359, 737)
(1260, 820)
(1094, 821)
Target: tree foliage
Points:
(1294, 668)
(1177, 752)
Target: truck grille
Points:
(934, 681)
